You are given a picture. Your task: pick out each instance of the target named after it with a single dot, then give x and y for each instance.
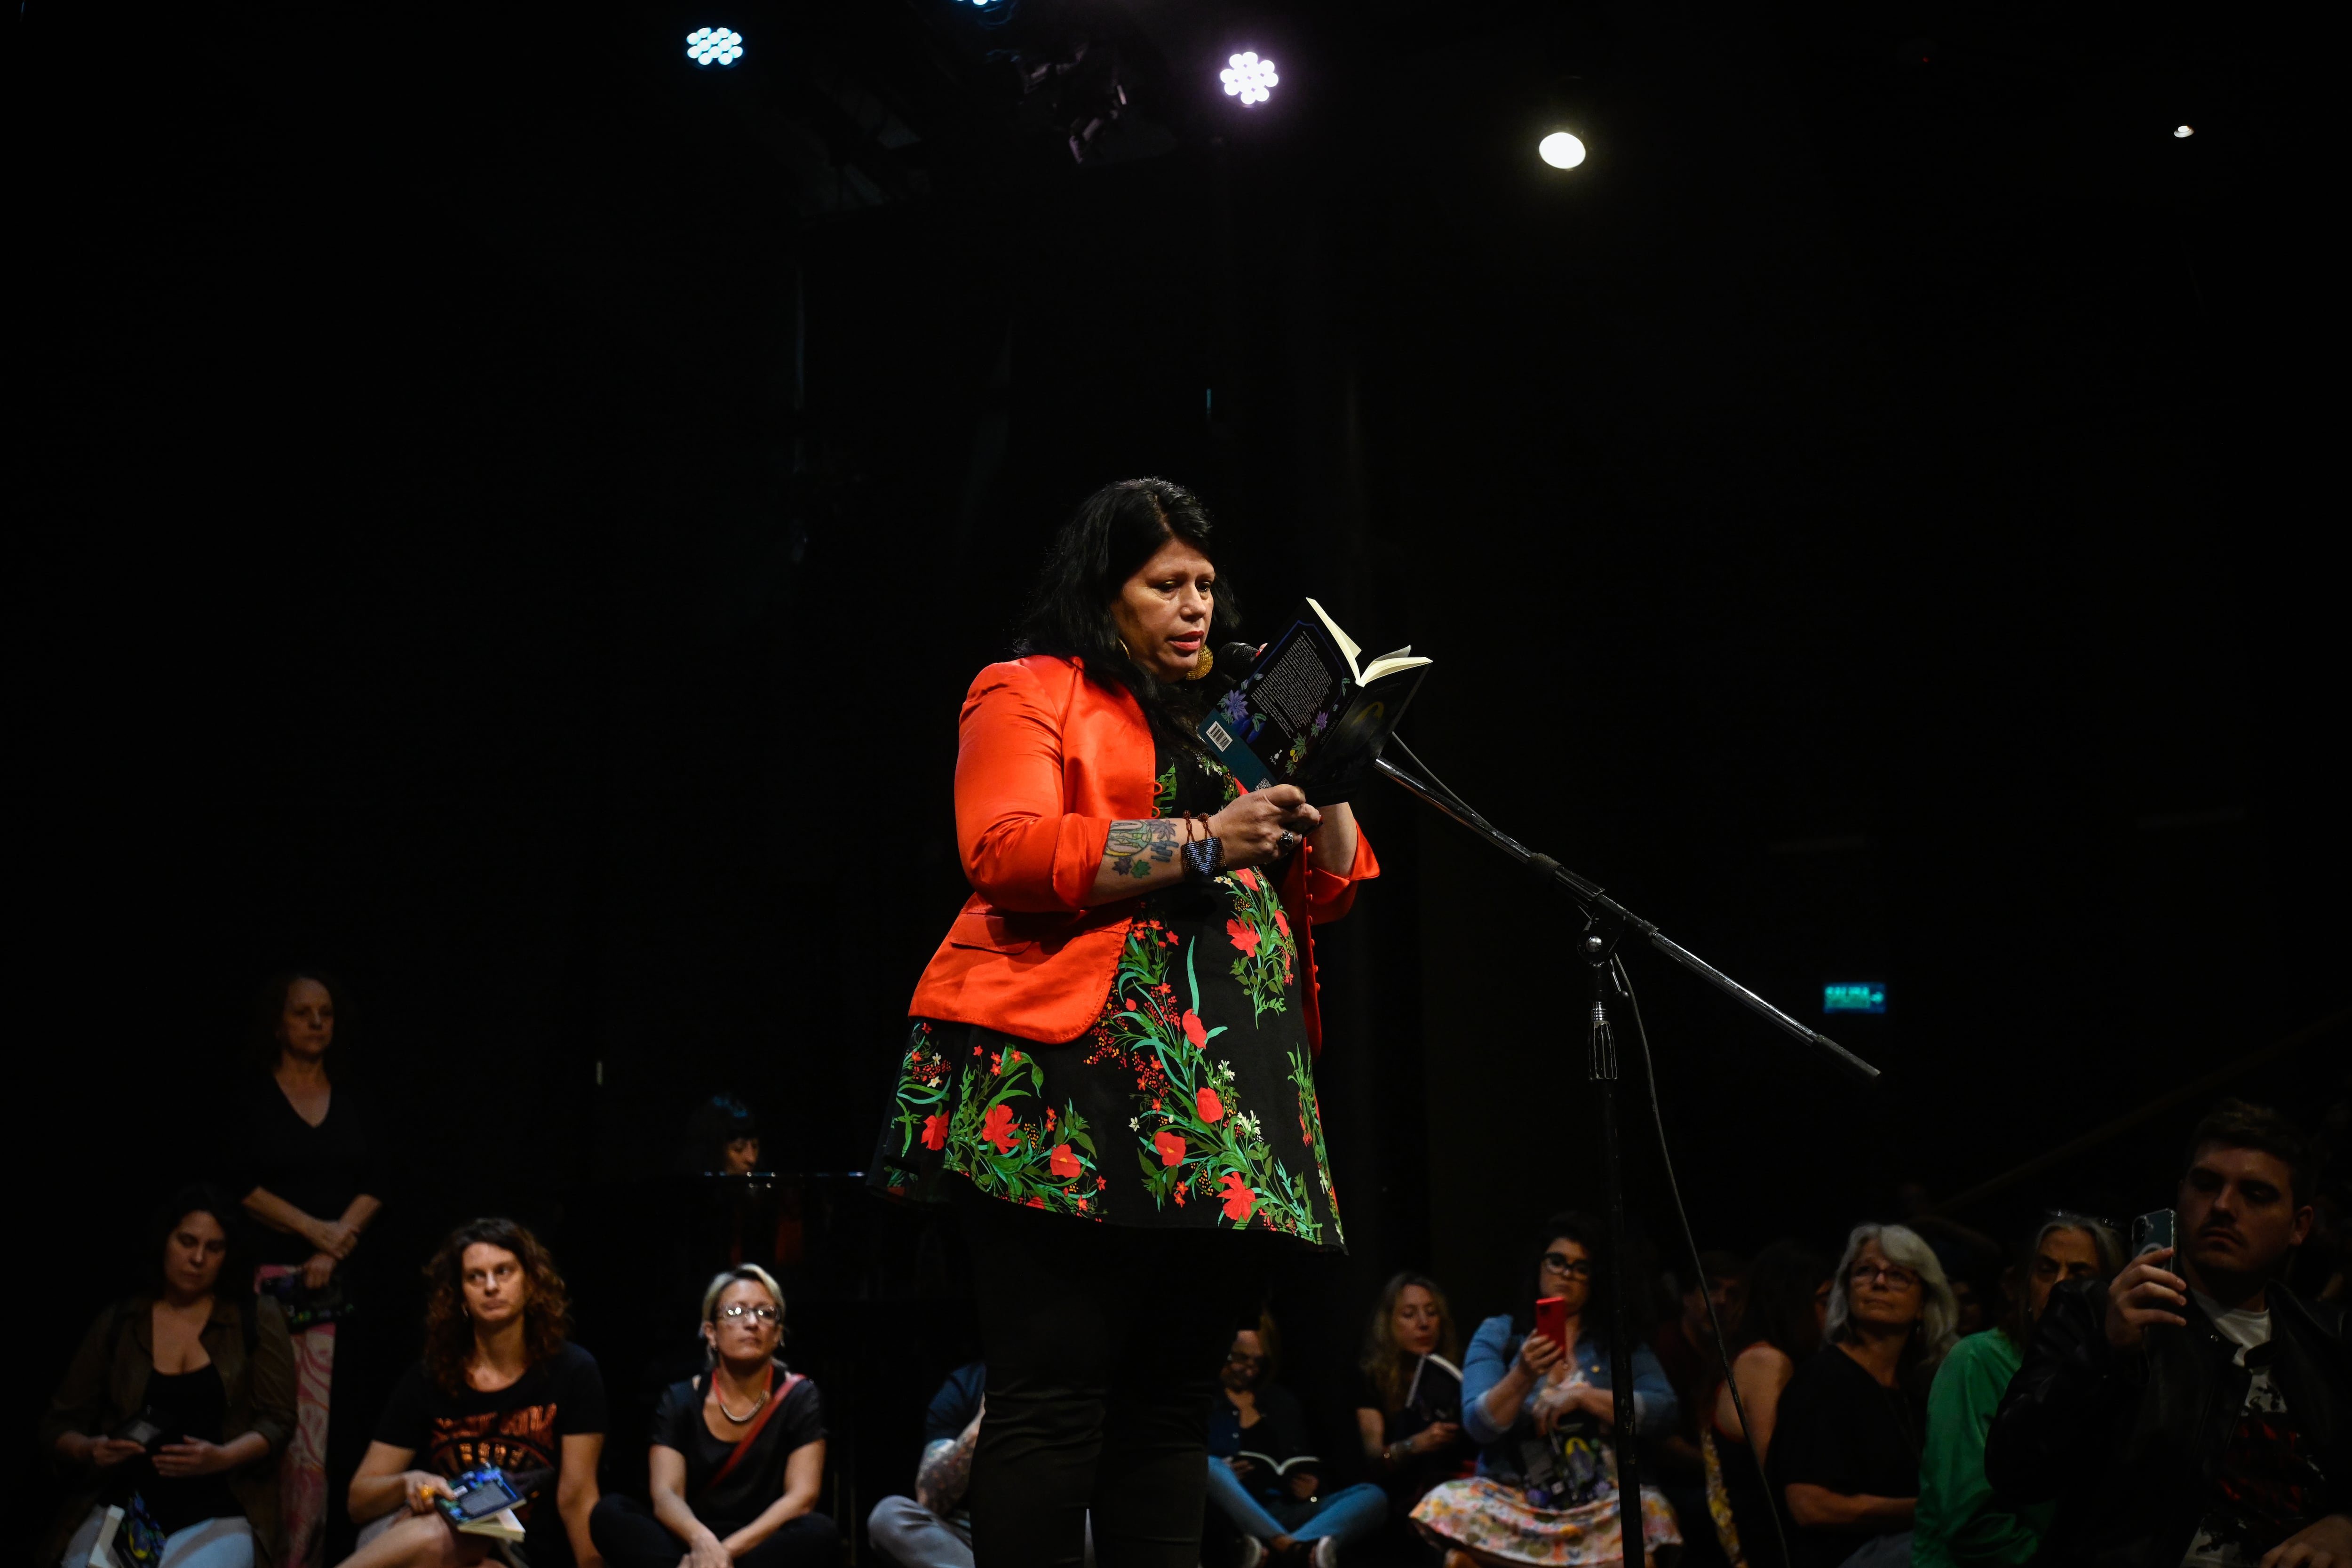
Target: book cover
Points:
(1308, 713)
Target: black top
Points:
(1840, 1429)
(186, 1404)
(319, 1170)
(1435, 1397)
(956, 1403)
(516, 1428)
(1279, 1434)
(759, 1480)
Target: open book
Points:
(1281, 1467)
(1309, 712)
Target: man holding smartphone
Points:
(2194, 1412)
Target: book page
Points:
(1390, 663)
(1347, 649)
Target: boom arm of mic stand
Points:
(1589, 897)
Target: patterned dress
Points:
(1190, 1102)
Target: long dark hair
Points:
(1778, 1305)
(1106, 541)
(449, 1330)
(197, 1197)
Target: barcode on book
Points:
(1217, 735)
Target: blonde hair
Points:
(741, 1274)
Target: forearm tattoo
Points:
(1135, 847)
(944, 1474)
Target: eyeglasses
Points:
(765, 1314)
(1572, 1268)
(1893, 1277)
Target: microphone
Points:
(1237, 659)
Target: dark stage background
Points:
(508, 517)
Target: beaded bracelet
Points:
(1204, 858)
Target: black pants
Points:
(1103, 1343)
(629, 1536)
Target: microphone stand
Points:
(1606, 923)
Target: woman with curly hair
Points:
(499, 1386)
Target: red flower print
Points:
(1248, 879)
(1194, 1030)
(1206, 1103)
(1239, 1199)
(1282, 921)
(1243, 937)
(1036, 1203)
(1180, 1197)
(995, 1061)
(1049, 1118)
(999, 1129)
(935, 1133)
(1304, 1136)
(1079, 1204)
(1170, 1146)
(1062, 1162)
(1130, 1004)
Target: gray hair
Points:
(1938, 1311)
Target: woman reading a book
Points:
(738, 1454)
(1409, 1411)
(1540, 1409)
(1110, 1067)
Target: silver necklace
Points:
(739, 1420)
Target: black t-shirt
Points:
(1841, 1429)
(1278, 1433)
(186, 1404)
(956, 1403)
(516, 1428)
(1435, 1397)
(319, 1170)
(758, 1479)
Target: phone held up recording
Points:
(2151, 1232)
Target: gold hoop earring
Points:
(1207, 662)
(1125, 649)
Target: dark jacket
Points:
(107, 1384)
(2131, 1442)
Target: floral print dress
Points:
(1189, 1103)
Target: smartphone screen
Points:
(1551, 1320)
(2150, 1231)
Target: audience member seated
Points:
(934, 1528)
(1784, 1306)
(1961, 1524)
(1845, 1450)
(1686, 1348)
(176, 1408)
(1541, 1411)
(299, 1143)
(1264, 1478)
(1410, 1410)
(729, 1486)
(2194, 1410)
(500, 1385)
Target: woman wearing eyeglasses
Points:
(738, 1452)
(1845, 1455)
(1546, 1490)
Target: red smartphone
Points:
(1552, 1318)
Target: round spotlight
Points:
(1560, 150)
(714, 45)
(2183, 132)
(1250, 79)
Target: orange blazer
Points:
(1047, 761)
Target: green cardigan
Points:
(107, 1384)
(1959, 1524)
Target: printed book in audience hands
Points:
(1281, 1467)
(1308, 713)
(1435, 1394)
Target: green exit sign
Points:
(1853, 996)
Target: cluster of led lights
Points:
(714, 45)
(1250, 79)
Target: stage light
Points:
(1560, 150)
(2184, 133)
(1250, 79)
(714, 45)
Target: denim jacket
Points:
(1493, 1349)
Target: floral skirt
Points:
(1488, 1516)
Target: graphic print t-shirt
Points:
(2270, 1486)
(516, 1428)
